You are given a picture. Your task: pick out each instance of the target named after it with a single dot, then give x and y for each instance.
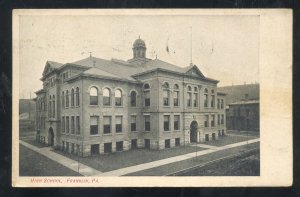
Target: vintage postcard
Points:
(152, 97)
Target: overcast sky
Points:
(225, 48)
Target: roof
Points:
(124, 70)
(237, 93)
(245, 102)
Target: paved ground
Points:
(229, 139)
(35, 164)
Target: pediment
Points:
(195, 72)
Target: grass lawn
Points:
(243, 165)
(124, 159)
(227, 139)
(34, 164)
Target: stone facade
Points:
(96, 106)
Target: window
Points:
(195, 99)
(93, 96)
(166, 123)
(118, 98)
(218, 104)
(72, 98)
(77, 96)
(147, 122)
(147, 143)
(176, 95)
(134, 144)
(212, 121)
(94, 125)
(206, 121)
(50, 108)
(167, 143)
(133, 99)
(53, 112)
(118, 124)
(222, 119)
(147, 95)
(222, 104)
(166, 94)
(94, 149)
(72, 124)
(77, 125)
(106, 124)
(67, 124)
(206, 137)
(133, 123)
(189, 97)
(218, 119)
(177, 141)
(106, 97)
(205, 98)
(176, 122)
(63, 99)
(67, 98)
(107, 147)
(119, 146)
(212, 102)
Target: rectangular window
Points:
(95, 149)
(118, 124)
(177, 141)
(147, 143)
(134, 144)
(119, 146)
(77, 125)
(106, 124)
(222, 119)
(147, 98)
(189, 100)
(212, 121)
(166, 123)
(176, 99)
(205, 100)
(72, 124)
(133, 123)
(67, 124)
(222, 104)
(107, 147)
(166, 97)
(218, 119)
(218, 104)
(212, 102)
(94, 125)
(195, 100)
(176, 122)
(93, 100)
(167, 143)
(147, 122)
(206, 121)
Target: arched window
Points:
(176, 95)
(118, 97)
(63, 99)
(205, 97)
(146, 86)
(53, 111)
(93, 96)
(195, 99)
(67, 98)
(72, 98)
(166, 94)
(189, 96)
(77, 96)
(133, 99)
(106, 97)
(146, 95)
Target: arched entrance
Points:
(193, 132)
(50, 137)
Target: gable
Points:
(195, 72)
(47, 69)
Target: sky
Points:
(225, 48)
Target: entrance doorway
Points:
(193, 132)
(50, 137)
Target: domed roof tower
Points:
(139, 48)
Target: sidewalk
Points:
(69, 163)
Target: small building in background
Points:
(242, 110)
